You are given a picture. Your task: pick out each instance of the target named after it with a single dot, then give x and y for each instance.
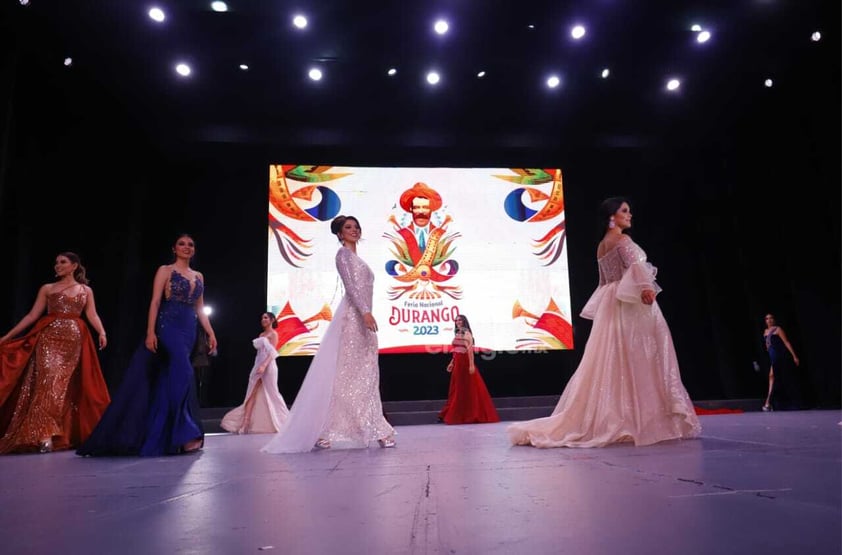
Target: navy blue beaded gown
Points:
(155, 411)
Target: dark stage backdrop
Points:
(740, 221)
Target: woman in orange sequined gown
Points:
(468, 400)
(52, 392)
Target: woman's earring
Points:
(611, 224)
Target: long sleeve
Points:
(638, 276)
(355, 278)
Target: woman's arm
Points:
(469, 344)
(783, 337)
(93, 318)
(158, 284)
(34, 313)
(203, 318)
(352, 290)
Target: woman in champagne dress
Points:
(263, 410)
(155, 411)
(468, 400)
(52, 392)
(627, 387)
(339, 403)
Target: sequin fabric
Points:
(627, 387)
(356, 416)
(44, 406)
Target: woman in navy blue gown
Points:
(155, 410)
(783, 378)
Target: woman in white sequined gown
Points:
(263, 410)
(338, 405)
(627, 387)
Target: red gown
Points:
(468, 401)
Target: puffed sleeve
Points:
(355, 289)
(638, 275)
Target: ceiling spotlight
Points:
(244, 67)
(24, 2)
(219, 6)
(605, 73)
(695, 27)
(392, 71)
(577, 32)
(183, 69)
(530, 26)
(816, 37)
(768, 83)
(702, 37)
(299, 21)
(157, 14)
(673, 84)
(207, 309)
(481, 74)
(315, 74)
(68, 62)
(553, 82)
(441, 26)
(433, 78)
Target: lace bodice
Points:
(615, 262)
(179, 289)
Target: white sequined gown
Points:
(269, 410)
(339, 399)
(627, 387)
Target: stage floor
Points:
(762, 483)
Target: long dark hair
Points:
(79, 274)
(467, 326)
(608, 208)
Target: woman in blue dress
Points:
(783, 380)
(155, 410)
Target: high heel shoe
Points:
(766, 408)
(323, 444)
(386, 442)
(45, 446)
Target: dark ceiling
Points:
(118, 51)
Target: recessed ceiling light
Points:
(392, 71)
(577, 32)
(244, 67)
(441, 26)
(673, 84)
(24, 2)
(183, 69)
(695, 27)
(157, 14)
(481, 74)
(315, 74)
(68, 61)
(219, 6)
(768, 83)
(703, 36)
(530, 26)
(553, 81)
(299, 21)
(433, 78)
(816, 37)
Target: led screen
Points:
(485, 242)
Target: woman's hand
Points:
(472, 369)
(212, 343)
(450, 366)
(370, 322)
(103, 341)
(647, 296)
(151, 342)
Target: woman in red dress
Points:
(468, 401)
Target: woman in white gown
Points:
(627, 387)
(263, 410)
(339, 403)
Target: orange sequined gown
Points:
(51, 383)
